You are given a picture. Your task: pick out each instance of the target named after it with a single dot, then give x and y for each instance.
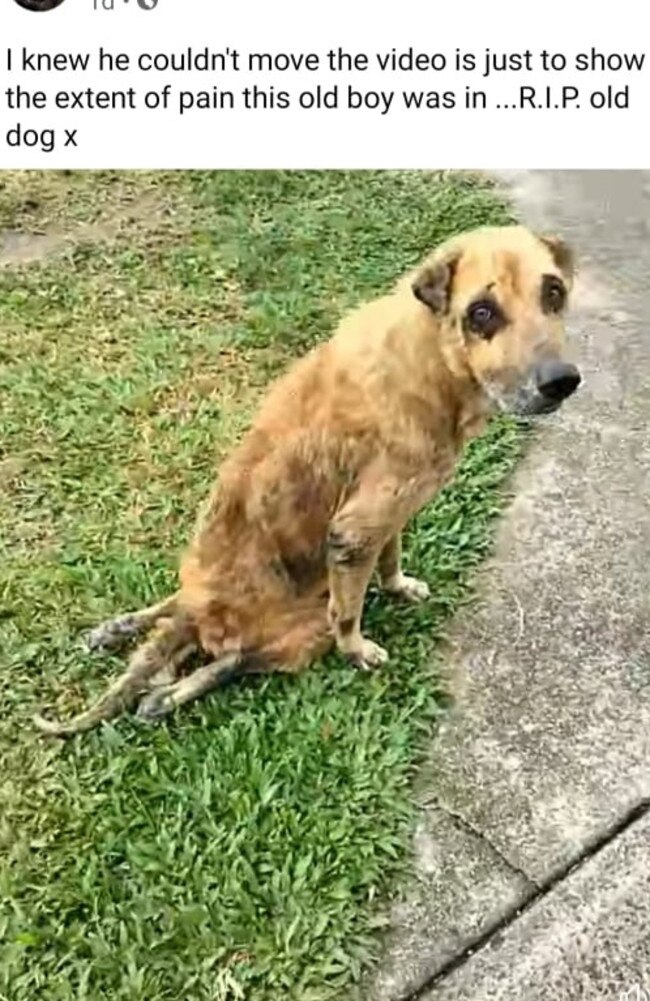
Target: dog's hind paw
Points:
(155, 706)
(112, 634)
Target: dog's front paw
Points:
(409, 588)
(368, 657)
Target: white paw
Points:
(370, 656)
(409, 588)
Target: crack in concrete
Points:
(465, 825)
(542, 890)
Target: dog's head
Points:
(500, 295)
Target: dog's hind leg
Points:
(166, 650)
(165, 699)
(115, 633)
(303, 634)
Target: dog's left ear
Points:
(561, 254)
(432, 285)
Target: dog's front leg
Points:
(350, 571)
(364, 535)
(357, 535)
(391, 577)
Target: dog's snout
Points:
(556, 380)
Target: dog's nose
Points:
(557, 379)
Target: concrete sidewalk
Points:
(532, 859)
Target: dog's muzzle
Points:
(557, 380)
(546, 386)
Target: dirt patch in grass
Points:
(37, 220)
(244, 850)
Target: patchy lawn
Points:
(244, 850)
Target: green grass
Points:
(243, 851)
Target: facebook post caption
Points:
(113, 83)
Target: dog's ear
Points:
(433, 284)
(561, 254)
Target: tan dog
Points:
(348, 445)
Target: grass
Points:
(243, 851)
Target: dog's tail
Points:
(169, 646)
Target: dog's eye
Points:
(484, 318)
(553, 294)
(481, 315)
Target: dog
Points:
(353, 440)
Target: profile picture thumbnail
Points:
(38, 5)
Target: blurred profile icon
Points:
(38, 5)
